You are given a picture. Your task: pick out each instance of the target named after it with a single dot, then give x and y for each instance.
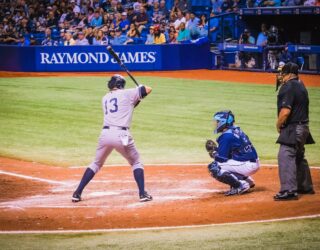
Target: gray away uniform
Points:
(118, 106)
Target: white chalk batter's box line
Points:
(157, 228)
(177, 165)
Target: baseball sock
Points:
(139, 177)
(86, 178)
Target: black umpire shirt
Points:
(294, 96)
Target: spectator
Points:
(70, 15)
(159, 37)
(62, 38)
(133, 32)
(48, 40)
(82, 40)
(226, 6)
(179, 20)
(96, 20)
(111, 35)
(131, 14)
(117, 20)
(69, 40)
(23, 40)
(183, 34)
(285, 56)
(310, 3)
(137, 6)
(119, 38)
(183, 5)
(157, 15)
(216, 6)
(119, 7)
(52, 21)
(97, 40)
(90, 14)
(193, 24)
(124, 24)
(214, 27)
(271, 3)
(106, 6)
(291, 3)
(246, 37)
(246, 59)
(75, 7)
(262, 38)
(89, 35)
(172, 38)
(150, 36)
(141, 19)
(163, 9)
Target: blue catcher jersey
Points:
(235, 144)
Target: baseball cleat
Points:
(286, 196)
(76, 197)
(145, 197)
(244, 187)
(250, 181)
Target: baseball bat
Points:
(116, 57)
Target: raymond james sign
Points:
(95, 57)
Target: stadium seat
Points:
(300, 62)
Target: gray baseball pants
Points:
(294, 171)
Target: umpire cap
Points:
(290, 68)
(116, 81)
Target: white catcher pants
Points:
(245, 168)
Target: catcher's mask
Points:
(116, 81)
(224, 119)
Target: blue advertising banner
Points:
(97, 58)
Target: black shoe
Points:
(145, 197)
(285, 196)
(76, 197)
(310, 191)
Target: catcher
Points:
(235, 158)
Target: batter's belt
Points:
(120, 128)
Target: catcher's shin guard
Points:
(223, 176)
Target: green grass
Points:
(58, 120)
(296, 234)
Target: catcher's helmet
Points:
(224, 120)
(116, 81)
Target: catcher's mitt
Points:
(211, 148)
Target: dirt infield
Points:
(217, 75)
(38, 197)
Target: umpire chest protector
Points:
(294, 96)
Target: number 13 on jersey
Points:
(111, 105)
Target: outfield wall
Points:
(96, 58)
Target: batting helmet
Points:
(225, 119)
(116, 81)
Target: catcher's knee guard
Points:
(223, 176)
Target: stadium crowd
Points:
(116, 22)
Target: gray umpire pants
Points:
(294, 171)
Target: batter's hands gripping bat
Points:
(116, 57)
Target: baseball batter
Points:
(118, 106)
